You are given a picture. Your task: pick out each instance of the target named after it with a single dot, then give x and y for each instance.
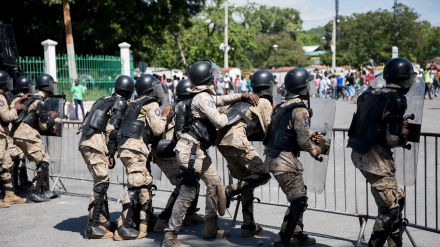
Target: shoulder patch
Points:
(211, 104)
(157, 112)
(2, 103)
(306, 118)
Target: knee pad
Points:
(257, 179)
(44, 167)
(101, 188)
(389, 217)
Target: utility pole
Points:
(333, 44)
(69, 42)
(226, 62)
(395, 49)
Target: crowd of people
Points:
(177, 139)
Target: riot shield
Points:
(315, 169)
(406, 157)
(237, 111)
(55, 103)
(54, 147)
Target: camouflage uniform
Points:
(203, 106)
(243, 160)
(134, 154)
(7, 114)
(94, 150)
(286, 168)
(170, 167)
(29, 139)
(378, 167)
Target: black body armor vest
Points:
(133, 128)
(97, 118)
(368, 126)
(278, 137)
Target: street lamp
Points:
(275, 47)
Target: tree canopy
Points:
(174, 33)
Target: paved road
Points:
(61, 221)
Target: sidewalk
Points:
(61, 222)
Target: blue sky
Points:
(316, 13)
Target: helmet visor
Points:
(215, 70)
(10, 84)
(158, 90)
(379, 82)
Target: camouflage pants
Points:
(138, 176)
(242, 163)
(291, 183)
(386, 194)
(97, 163)
(203, 165)
(34, 151)
(6, 162)
(169, 167)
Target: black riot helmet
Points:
(24, 84)
(45, 83)
(262, 81)
(144, 84)
(5, 80)
(399, 71)
(203, 72)
(124, 86)
(181, 93)
(297, 81)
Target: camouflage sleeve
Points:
(300, 119)
(206, 104)
(153, 117)
(33, 107)
(266, 112)
(227, 99)
(7, 113)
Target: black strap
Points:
(192, 157)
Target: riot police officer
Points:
(247, 122)
(198, 119)
(377, 126)
(142, 121)
(35, 118)
(165, 158)
(98, 146)
(287, 135)
(23, 85)
(7, 114)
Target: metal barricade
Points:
(346, 191)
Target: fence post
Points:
(125, 58)
(50, 61)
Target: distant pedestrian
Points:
(78, 95)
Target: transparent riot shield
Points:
(315, 169)
(54, 147)
(55, 103)
(406, 157)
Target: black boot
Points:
(127, 229)
(94, 230)
(47, 192)
(36, 194)
(17, 184)
(296, 209)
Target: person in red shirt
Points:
(363, 82)
(370, 78)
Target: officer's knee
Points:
(389, 217)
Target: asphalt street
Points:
(61, 222)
